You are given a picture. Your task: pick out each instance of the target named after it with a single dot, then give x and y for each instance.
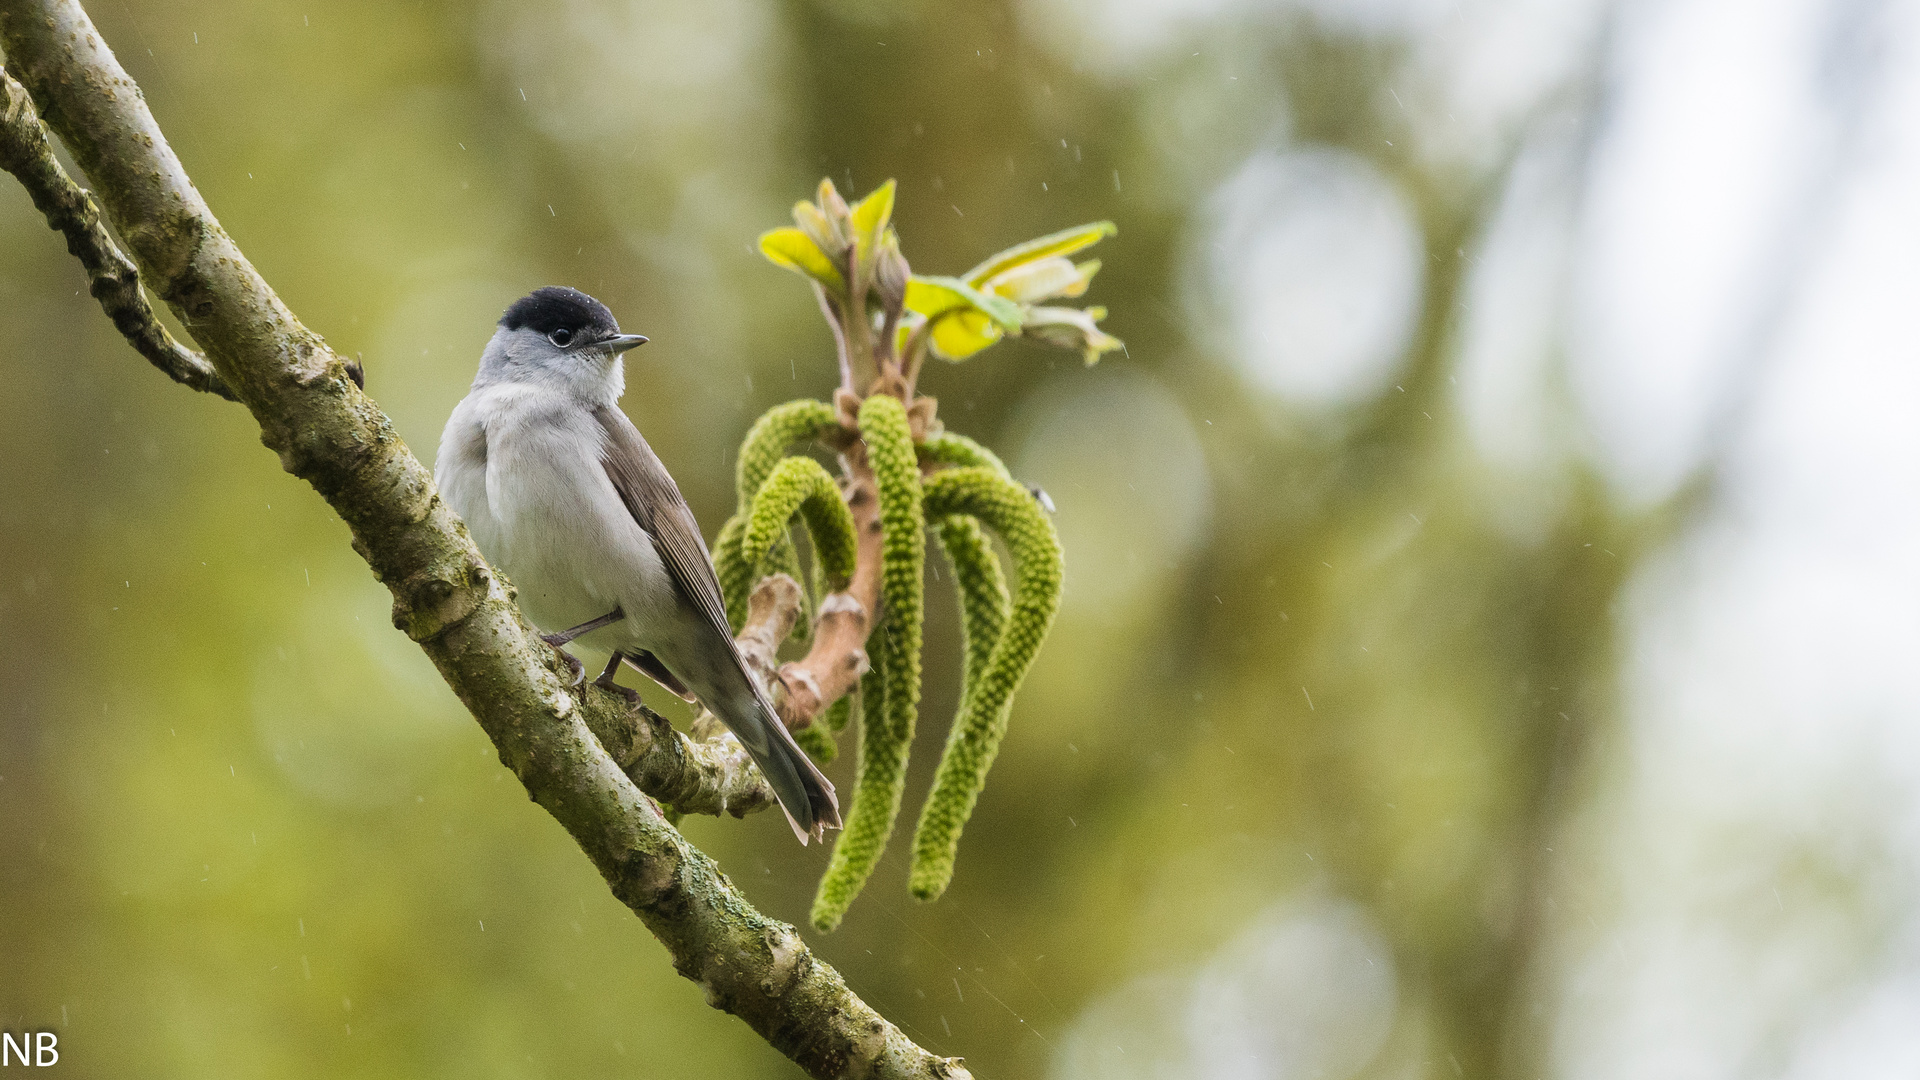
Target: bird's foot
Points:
(628, 692)
(605, 682)
(578, 672)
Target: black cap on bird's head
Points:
(568, 318)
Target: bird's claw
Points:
(628, 692)
(579, 673)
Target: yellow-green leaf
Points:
(935, 296)
(815, 225)
(1084, 271)
(1064, 242)
(1071, 328)
(962, 332)
(870, 217)
(791, 248)
(1043, 279)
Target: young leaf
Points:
(959, 334)
(1043, 279)
(870, 217)
(1065, 242)
(818, 229)
(1071, 328)
(936, 296)
(793, 249)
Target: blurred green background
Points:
(1482, 646)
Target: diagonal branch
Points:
(332, 435)
(26, 152)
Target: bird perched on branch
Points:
(562, 493)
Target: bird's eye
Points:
(562, 337)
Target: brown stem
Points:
(838, 657)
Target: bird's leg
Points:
(649, 665)
(560, 639)
(576, 673)
(605, 681)
(565, 636)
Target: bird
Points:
(563, 495)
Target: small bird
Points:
(562, 494)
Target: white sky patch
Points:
(1306, 990)
(1513, 327)
(1130, 511)
(1709, 139)
(1765, 843)
(1478, 73)
(1310, 275)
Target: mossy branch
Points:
(1012, 511)
(313, 414)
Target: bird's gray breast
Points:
(539, 505)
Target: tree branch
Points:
(332, 435)
(26, 153)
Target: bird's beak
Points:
(620, 343)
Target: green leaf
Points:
(816, 226)
(870, 217)
(1044, 279)
(1064, 242)
(936, 296)
(1072, 328)
(959, 334)
(793, 249)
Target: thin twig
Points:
(111, 277)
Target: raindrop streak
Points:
(1310, 707)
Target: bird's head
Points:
(559, 336)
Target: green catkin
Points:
(983, 595)
(765, 446)
(771, 436)
(1010, 510)
(818, 739)
(800, 486)
(838, 713)
(735, 572)
(818, 742)
(903, 552)
(948, 448)
(739, 574)
(886, 729)
(879, 780)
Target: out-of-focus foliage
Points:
(1487, 629)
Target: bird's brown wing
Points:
(655, 502)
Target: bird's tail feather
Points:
(806, 796)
